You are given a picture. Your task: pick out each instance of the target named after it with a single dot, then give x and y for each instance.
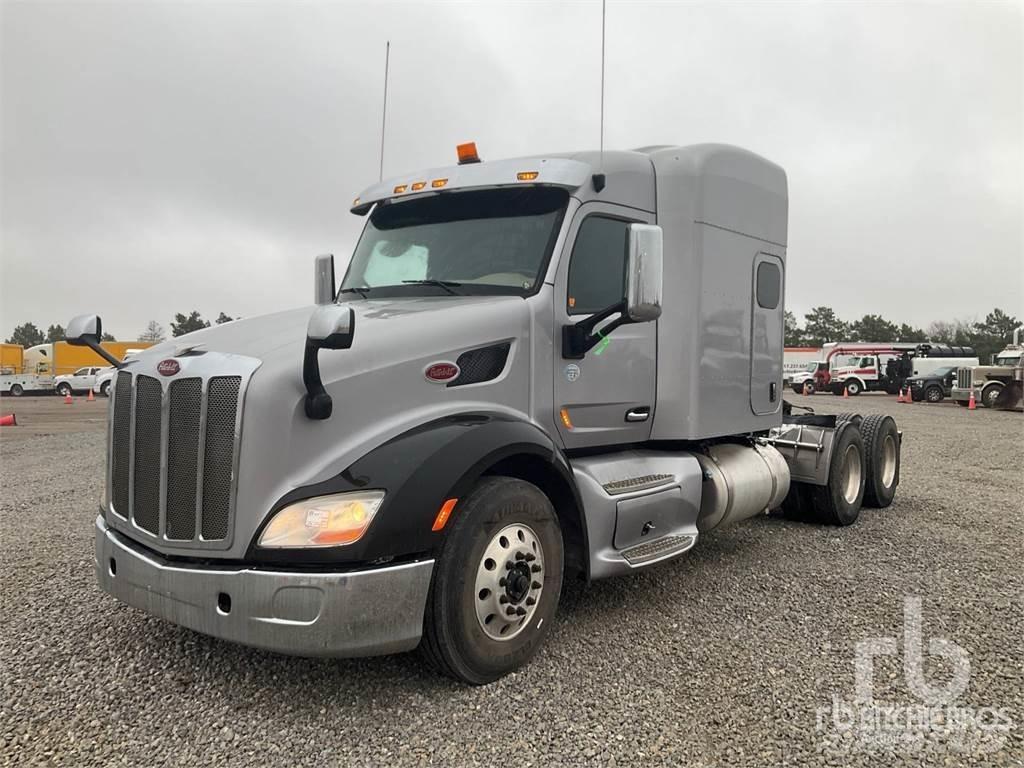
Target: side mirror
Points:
(331, 326)
(87, 331)
(83, 328)
(643, 273)
(323, 279)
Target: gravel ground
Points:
(721, 658)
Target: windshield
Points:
(1008, 359)
(495, 241)
(811, 367)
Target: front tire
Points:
(105, 389)
(990, 394)
(933, 394)
(63, 390)
(853, 388)
(17, 390)
(496, 582)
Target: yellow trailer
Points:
(62, 358)
(12, 358)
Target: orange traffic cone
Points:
(90, 398)
(807, 388)
(908, 398)
(899, 396)
(67, 399)
(8, 420)
(846, 392)
(971, 404)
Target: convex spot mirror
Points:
(643, 273)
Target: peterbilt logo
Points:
(440, 373)
(167, 367)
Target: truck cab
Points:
(557, 366)
(81, 380)
(988, 382)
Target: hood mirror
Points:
(87, 331)
(331, 326)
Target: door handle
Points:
(638, 414)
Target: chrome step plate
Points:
(631, 484)
(660, 549)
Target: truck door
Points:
(606, 398)
(766, 335)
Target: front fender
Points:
(418, 470)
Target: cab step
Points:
(660, 549)
(641, 483)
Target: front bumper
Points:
(964, 394)
(357, 613)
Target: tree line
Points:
(29, 335)
(822, 325)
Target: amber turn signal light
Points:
(443, 514)
(467, 153)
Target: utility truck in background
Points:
(557, 366)
(994, 386)
(887, 368)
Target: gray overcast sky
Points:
(167, 157)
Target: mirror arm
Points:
(318, 404)
(579, 338)
(96, 347)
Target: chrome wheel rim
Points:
(509, 582)
(851, 474)
(888, 468)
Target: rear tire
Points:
(839, 502)
(462, 634)
(856, 418)
(882, 460)
(16, 390)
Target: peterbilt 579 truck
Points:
(558, 366)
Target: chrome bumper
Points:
(358, 613)
(964, 393)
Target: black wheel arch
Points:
(421, 468)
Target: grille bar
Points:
(173, 456)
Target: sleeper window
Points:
(769, 285)
(597, 269)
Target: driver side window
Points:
(597, 267)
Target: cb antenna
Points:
(599, 178)
(384, 112)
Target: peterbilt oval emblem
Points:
(441, 373)
(167, 367)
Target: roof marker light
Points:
(400, 189)
(527, 175)
(438, 183)
(418, 185)
(355, 202)
(467, 153)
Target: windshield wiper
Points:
(447, 285)
(361, 290)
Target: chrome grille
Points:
(963, 378)
(146, 464)
(183, 416)
(222, 403)
(173, 456)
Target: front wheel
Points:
(990, 394)
(105, 389)
(17, 390)
(933, 394)
(853, 388)
(63, 389)
(496, 582)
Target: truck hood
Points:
(378, 387)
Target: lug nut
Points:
(535, 568)
(510, 611)
(530, 601)
(535, 585)
(503, 599)
(502, 581)
(520, 555)
(530, 557)
(520, 611)
(508, 566)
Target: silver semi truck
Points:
(560, 366)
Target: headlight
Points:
(324, 521)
